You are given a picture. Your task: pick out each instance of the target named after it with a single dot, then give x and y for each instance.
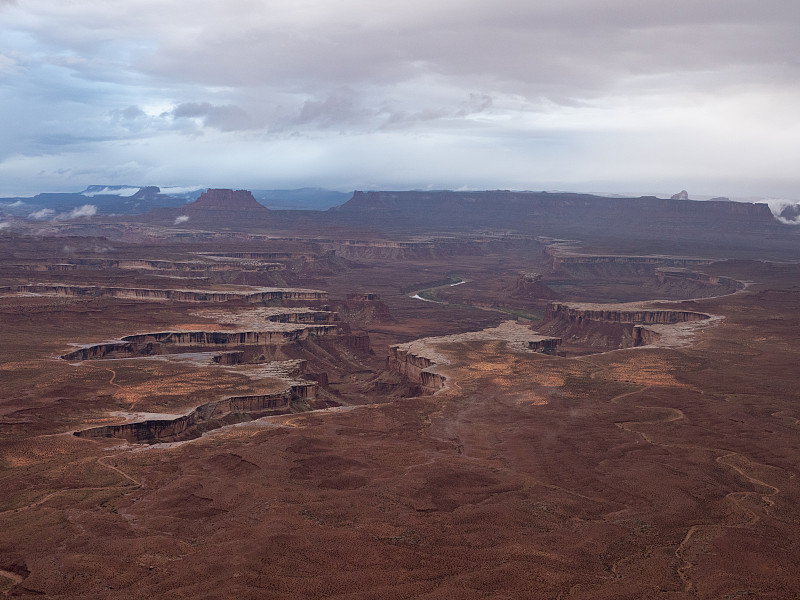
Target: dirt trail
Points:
(117, 470)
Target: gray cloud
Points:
(616, 93)
(224, 118)
(340, 107)
(129, 113)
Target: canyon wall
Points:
(556, 214)
(725, 284)
(563, 258)
(578, 313)
(264, 295)
(606, 327)
(417, 369)
(169, 265)
(147, 344)
(545, 345)
(235, 409)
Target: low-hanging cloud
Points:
(87, 210)
(181, 219)
(45, 213)
(106, 191)
(785, 211)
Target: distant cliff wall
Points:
(206, 417)
(610, 326)
(559, 214)
(265, 295)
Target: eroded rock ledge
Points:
(612, 326)
(170, 265)
(209, 416)
(148, 344)
(258, 295)
(575, 312)
(420, 361)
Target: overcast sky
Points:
(614, 96)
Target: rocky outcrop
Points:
(281, 256)
(262, 295)
(148, 344)
(142, 264)
(51, 266)
(214, 209)
(232, 357)
(642, 336)
(226, 200)
(562, 258)
(420, 361)
(416, 368)
(725, 284)
(530, 286)
(363, 310)
(618, 313)
(545, 345)
(606, 327)
(309, 316)
(235, 409)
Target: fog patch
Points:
(45, 213)
(169, 190)
(87, 210)
(108, 191)
(181, 219)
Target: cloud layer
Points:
(615, 96)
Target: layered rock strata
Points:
(664, 275)
(545, 344)
(226, 201)
(228, 411)
(416, 368)
(260, 295)
(148, 344)
(611, 326)
(169, 265)
(577, 313)
(561, 258)
(265, 255)
(421, 361)
(231, 357)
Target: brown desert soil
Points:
(663, 471)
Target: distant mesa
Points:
(149, 192)
(215, 207)
(227, 200)
(682, 195)
(558, 214)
